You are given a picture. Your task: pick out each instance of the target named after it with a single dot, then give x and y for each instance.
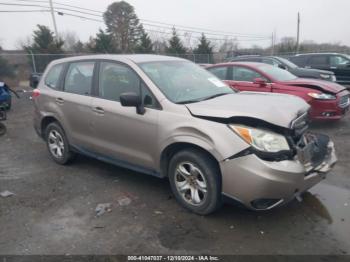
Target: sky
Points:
(321, 20)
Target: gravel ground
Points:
(53, 209)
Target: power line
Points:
(43, 6)
(23, 11)
(57, 3)
(192, 31)
(155, 23)
(150, 24)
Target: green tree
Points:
(124, 26)
(175, 45)
(145, 45)
(103, 43)
(204, 51)
(43, 43)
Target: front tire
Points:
(57, 144)
(195, 181)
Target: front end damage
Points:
(263, 181)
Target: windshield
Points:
(287, 62)
(184, 82)
(277, 73)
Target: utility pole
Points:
(53, 19)
(272, 43)
(298, 34)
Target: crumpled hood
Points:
(277, 109)
(325, 86)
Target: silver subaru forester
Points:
(168, 117)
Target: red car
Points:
(328, 100)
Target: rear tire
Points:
(195, 181)
(57, 144)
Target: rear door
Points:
(119, 133)
(70, 99)
(242, 78)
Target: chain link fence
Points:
(24, 64)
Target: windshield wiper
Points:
(188, 101)
(216, 95)
(202, 99)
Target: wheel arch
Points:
(171, 149)
(45, 121)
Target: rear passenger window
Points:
(116, 79)
(53, 76)
(220, 72)
(79, 78)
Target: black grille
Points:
(344, 101)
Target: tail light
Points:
(36, 93)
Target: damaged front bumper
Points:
(262, 185)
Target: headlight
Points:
(262, 140)
(325, 76)
(334, 78)
(322, 96)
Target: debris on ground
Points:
(157, 212)
(232, 227)
(99, 227)
(262, 232)
(103, 208)
(124, 201)
(6, 193)
(346, 204)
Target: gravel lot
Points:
(53, 209)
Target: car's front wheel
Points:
(195, 181)
(57, 144)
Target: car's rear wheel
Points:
(57, 144)
(195, 181)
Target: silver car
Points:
(170, 118)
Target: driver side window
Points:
(219, 72)
(245, 74)
(338, 61)
(116, 79)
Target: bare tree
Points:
(70, 39)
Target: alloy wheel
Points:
(56, 144)
(190, 183)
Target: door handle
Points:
(98, 110)
(59, 100)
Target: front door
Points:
(119, 132)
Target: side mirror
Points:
(260, 81)
(132, 100)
